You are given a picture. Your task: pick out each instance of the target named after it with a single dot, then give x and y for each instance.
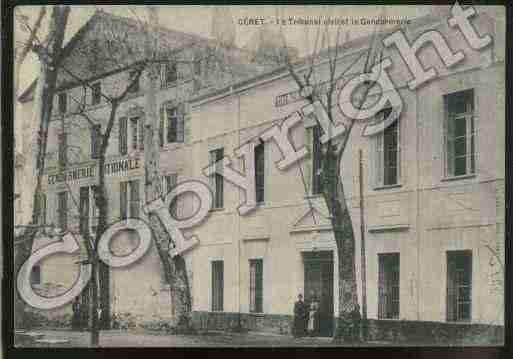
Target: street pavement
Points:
(144, 338)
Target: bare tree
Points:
(49, 52)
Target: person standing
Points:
(75, 319)
(299, 317)
(313, 316)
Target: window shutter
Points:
(451, 289)
(211, 179)
(161, 125)
(450, 148)
(379, 160)
(43, 207)
(259, 286)
(399, 172)
(252, 286)
(134, 198)
(63, 210)
(123, 200)
(172, 124)
(381, 287)
(63, 149)
(123, 134)
(260, 172)
(180, 123)
(84, 209)
(142, 120)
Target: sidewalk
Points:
(144, 338)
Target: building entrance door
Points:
(319, 282)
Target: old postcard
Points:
(259, 176)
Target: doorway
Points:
(319, 280)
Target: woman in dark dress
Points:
(300, 317)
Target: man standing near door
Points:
(300, 317)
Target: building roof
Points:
(120, 28)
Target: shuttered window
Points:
(316, 160)
(216, 184)
(62, 210)
(260, 172)
(123, 135)
(217, 285)
(388, 286)
(460, 133)
(63, 144)
(256, 285)
(175, 130)
(129, 199)
(387, 152)
(459, 286)
(95, 141)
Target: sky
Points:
(198, 19)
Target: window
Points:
(96, 96)
(170, 182)
(123, 134)
(460, 151)
(256, 285)
(316, 160)
(131, 77)
(459, 286)
(35, 275)
(63, 102)
(388, 286)
(130, 137)
(129, 199)
(217, 285)
(95, 141)
(170, 74)
(259, 172)
(63, 144)
(217, 179)
(174, 125)
(62, 210)
(387, 152)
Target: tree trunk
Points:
(49, 55)
(175, 269)
(348, 321)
